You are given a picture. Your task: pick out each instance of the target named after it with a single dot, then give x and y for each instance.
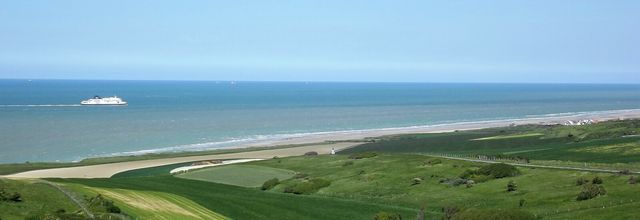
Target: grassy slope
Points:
(387, 179)
(244, 203)
(150, 205)
(238, 175)
(37, 198)
(556, 144)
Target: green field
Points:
(238, 175)
(144, 204)
(37, 199)
(398, 179)
(246, 203)
(606, 142)
(387, 178)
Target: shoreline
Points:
(321, 143)
(359, 134)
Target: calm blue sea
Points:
(41, 121)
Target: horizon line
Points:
(321, 81)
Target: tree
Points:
(512, 186)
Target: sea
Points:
(41, 120)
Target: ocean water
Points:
(41, 120)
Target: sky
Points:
(535, 41)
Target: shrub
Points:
(498, 170)
(512, 186)
(7, 196)
(581, 181)
(269, 184)
(15, 197)
(625, 172)
(633, 180)
(362, 155)
(590, 191)
(477, 214)
(449, 212)
(454, 181)
(467, 174)
(300, 175)
(597, 180)
(481, 178)
(348, 163)
(311, 153)
(387, 216)
(522, 203)
(307, 187)
(416, 181)
(433, 162)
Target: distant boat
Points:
(97, 100)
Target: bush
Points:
(449, 212)
(477, 214)
(512, 186)
(590, 191)
(498, 170)
(433, 162)
(311, 153)
(387, 216)
(581, 181)
(633, 180)
(15, 197)
(416, 181)
(307, 187)
(348, 163)
(300, 175)
(597, 180)
(454, 181)
(8, 196)
(269, 184)
(362, 155)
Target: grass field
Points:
(387, 179)
(142, 204)
(238, 175)
(246, 203)
(606, 142)
(38, 198)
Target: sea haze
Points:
(41, 120)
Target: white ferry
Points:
(97, 100)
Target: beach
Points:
(322, 143)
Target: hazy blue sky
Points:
(435, 41)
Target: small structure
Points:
(579, 122)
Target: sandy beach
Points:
(107, 170)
